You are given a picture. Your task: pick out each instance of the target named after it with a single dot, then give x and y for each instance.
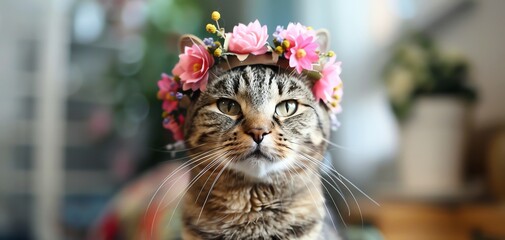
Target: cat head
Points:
(254, 108)
(258, 120)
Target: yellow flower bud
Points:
(218, 52)
(211, 28)
(337, 87)
(218, 44)
(279, 50)
(285, 44)
(310, 28)
(331, 53)
(215, 15)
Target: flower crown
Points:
(297, 48)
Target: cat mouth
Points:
(258, 154)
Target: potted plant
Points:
(430, 94)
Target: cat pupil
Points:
(228, 106)
(286, 108)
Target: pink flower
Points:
(169, 106)
(193, 67)
(249, 39)
(330, 88)
(293, 31)
(173, 126)
(303, 53)
(168, 88)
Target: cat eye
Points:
(228, 106)
(286, 108)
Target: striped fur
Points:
(237, 193)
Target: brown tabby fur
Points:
(225, 203)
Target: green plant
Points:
(419, 68)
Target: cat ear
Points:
(323, 39)
(187, 40)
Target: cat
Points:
(256, 141)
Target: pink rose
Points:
(249, 39)
(303, 53)
(193, 67)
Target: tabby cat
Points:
(257, 138)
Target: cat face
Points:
(257, 121)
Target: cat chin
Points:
(259, 168)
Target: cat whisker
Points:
(200, 160)
(205, 183)
(345, 185)
(326, 208)
(334, 187)
(179, 168)
(166, 179)
(340, 191)
(210, 190)
(210, 165)
(337, 145)
(214, 162)
(338, 176)
(315, 161)
(164, 150)
(310, 192)
(347, 180)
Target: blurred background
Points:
(422, 129)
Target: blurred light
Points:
(136, 107)
(75, 80)
(89, 22)
(175, 16)
(133, 14)
(383, 21)
(405, 9)
(132, 49)
(127, 70)
(370, 136)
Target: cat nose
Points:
(257, 134)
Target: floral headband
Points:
(296, 47)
